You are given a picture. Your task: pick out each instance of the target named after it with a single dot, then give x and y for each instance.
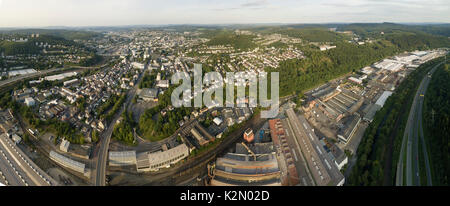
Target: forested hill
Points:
(66, 34)
(367, 30)
(437, 125)
(30, 47)
(298, 75)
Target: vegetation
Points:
(299, 75)
(148, 81)
(95, 136)
(66, 34)
(378, 152)
(92, 60)
(436, 119)
(414, 41)
(155, 126)
(117, 104)
(374, 30)
(124, 130)
(59, 128)
(313, 34)
(107, 105)
(15, 48)
(240, 42)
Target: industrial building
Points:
(202, 136)
(125, 158)
(71, 82)
(148, 94)
(382, 100)
(373, 109)
(163, 159)
(320, 164)
(67, 162)
(347, 132)
(253, 165)
(278, 134)
(60, 76)
(340, 102)
(21, 72)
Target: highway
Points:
(17, 169)
(106, 136)
(413, 134)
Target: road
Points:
(414, 133)
(106, 136)
(18, 169)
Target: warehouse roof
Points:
(382, 100)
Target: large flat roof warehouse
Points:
(22, 72)
(149, 93)
(122, 158)
(382, 100)
(163, 159)
(60, 76)
(67, 162)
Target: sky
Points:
(42, 13)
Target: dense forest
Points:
(380, 146)
(436, 119)
(240, 42)
(14, 48)
(66, 34)
(412, 41)
(313, 34)
(373, 29)
(29, 47)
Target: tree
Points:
(95, 136)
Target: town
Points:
(85, 123)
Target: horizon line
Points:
(218, 24)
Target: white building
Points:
(30, 101)
(382, 100)
(163, 84)
(125, 158)
(64, 146)
(138, 65)
(159, 160)
(16, 138)
(217, 121)
(69, 163)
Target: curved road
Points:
(106, 137)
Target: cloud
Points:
(16, 13)
(253, 4)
